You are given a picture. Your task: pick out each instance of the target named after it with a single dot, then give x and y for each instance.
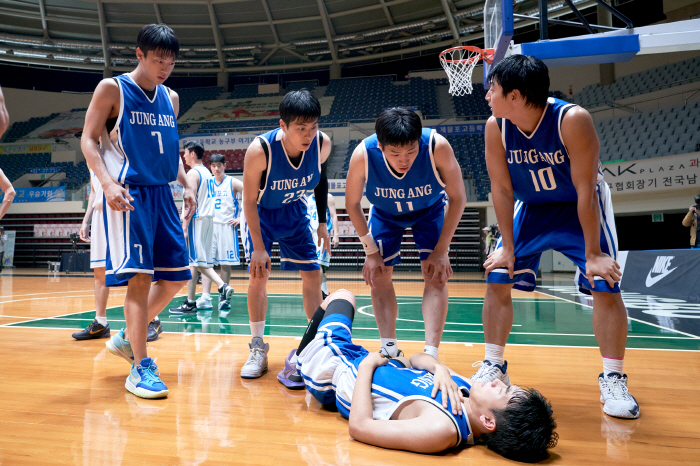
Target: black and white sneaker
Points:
(615, 396)
(225, 293)
(488, 372)
(186, 308)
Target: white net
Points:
(459, 64)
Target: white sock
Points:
(431, 350)
(101, 320)
(206, 296)
(494, 353)
(389, 344)
(257, 329)
(613, 365)
(157, 319)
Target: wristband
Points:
(369, 244)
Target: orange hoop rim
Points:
(485, 54)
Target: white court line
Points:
(361, 310)
(630, 318)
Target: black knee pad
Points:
(341, 306)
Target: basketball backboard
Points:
(498, 31)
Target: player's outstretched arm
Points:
(437, 266)
(9, 191)
(254, 165)
(503, 199)
(412, 434)
(85, 227)
(354, 187)
(104, 105)
(334, 217)
(237, 186)
(191, 179)
(582, 144)
(4, 116)
(321, 195)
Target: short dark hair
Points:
(524, 429)
(398, 126)
(529, 75)
(158, 37)
(300, 106)
(195, 146)
(217, 158)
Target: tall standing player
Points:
(323, 253)
(145, 242)
(280, 167)
(409, 170)
(199, 230)
(225, 252)
(549, 193)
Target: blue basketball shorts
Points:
(540, 227)
(148, 239)
(388, 230)
(290, 227)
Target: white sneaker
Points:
(204, 303)
(256, 365)
(616, 397)
(488, 372)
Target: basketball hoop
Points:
(459, 63)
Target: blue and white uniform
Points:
(201, 227)
(546, 210)
(323, 256)
(414, 200)
(98, 240)
(330, 363)
(226, 208)
(282, 206)
(143, 160)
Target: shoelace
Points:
(151, 373)
(257, 355)
(484, 370)
(618, 388)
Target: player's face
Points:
(401, 158)
(190, 157)
(487, 396)
(497, 101)
(299, 135)
(157, 64)
(217, 169)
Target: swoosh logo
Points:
(652, 280)
(92, 332)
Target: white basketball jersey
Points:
(205, 192)
(97, 204)
(225, 202)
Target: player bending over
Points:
(421, 405)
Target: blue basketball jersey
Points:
(147, 147)
(539, 164)
(397, 385)
(418, 189)
(286, 183)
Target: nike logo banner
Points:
(666, 274)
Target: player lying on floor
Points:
(421, 405)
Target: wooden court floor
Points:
(64, 402)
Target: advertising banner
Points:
(254, 108)
(671, 273)
(448, 130)
(55, 194)
(64, 125)
(46, 170)
(221, 141)
(8, 258)
(24, 148)
(657, 174)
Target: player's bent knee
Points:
(339, 294)
(342, 306)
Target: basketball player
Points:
(549, 193)
(8, 193)
(409, 170)
(4, 116)
(421, 405)
(280, 167)
(199, 230)
(324, 254)
(225, 250)
(92, 231)
(145, 242)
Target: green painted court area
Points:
(553, 322)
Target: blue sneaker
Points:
(118, 346)
(144, 380)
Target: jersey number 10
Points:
(548, 184)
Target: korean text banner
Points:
(254, 108)
(55, 194)
(661, 173)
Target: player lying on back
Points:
(421, 405)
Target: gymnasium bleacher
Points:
(20, 129)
